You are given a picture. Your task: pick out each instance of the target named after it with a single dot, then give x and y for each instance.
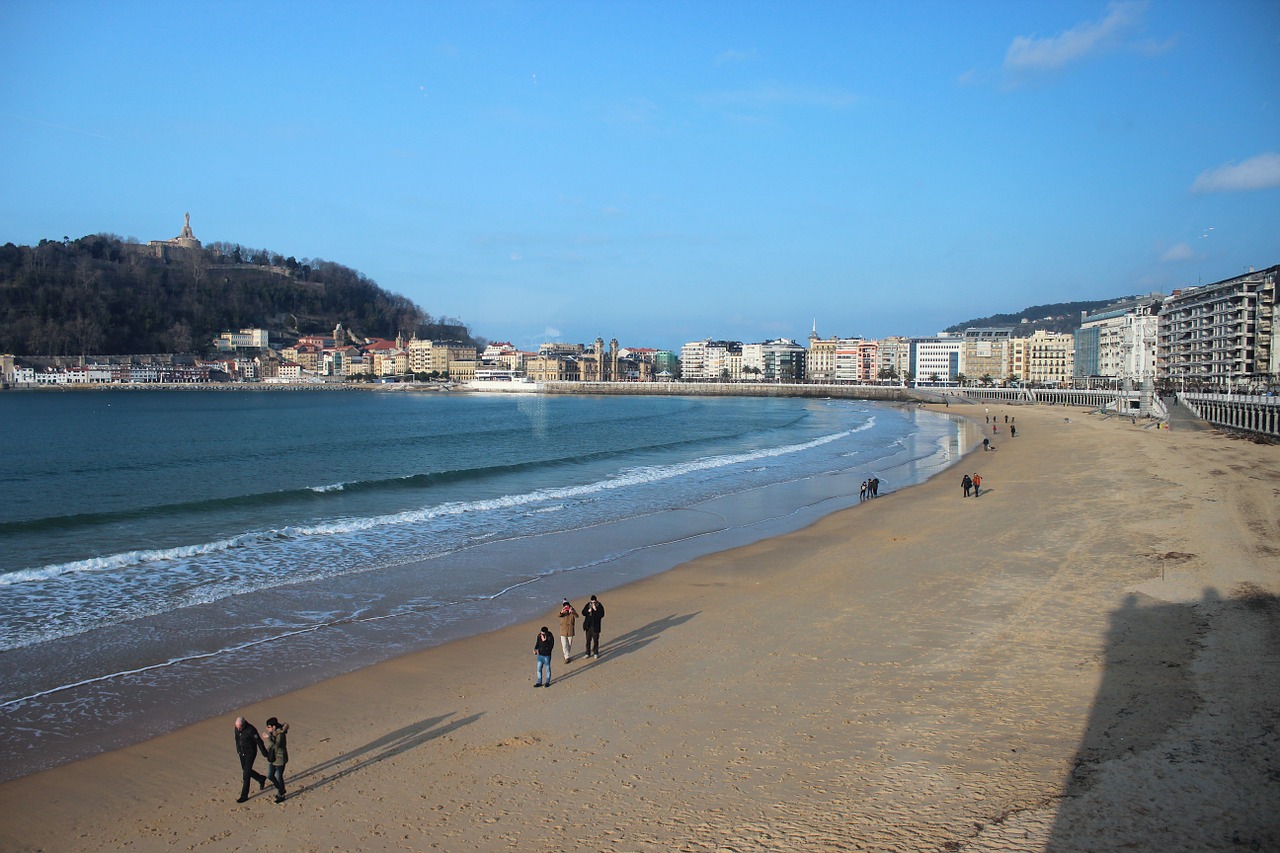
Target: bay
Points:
(161, 552)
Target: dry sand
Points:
(1085, 658)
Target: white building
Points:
(1120, 341)
(937, 358)
(711, 361)
(1223, 334)
(781, 360)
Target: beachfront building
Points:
(781, 360)
(1050, 357)
(551, 365)
(1119, 341)
(305, 355)
(936, 359)
(1221, 335)
(1018, 361)
(428, 356)
(666, 365)
(711, 361)
(893, 358)
(856, 362)
(820, 363)
(985, 353)
(600, 364)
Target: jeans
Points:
(275, 775)
(593, 642)
(544, 664)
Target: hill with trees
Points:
(1059, 317)
(103, 295)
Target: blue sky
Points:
(663, 172)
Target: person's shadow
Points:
(625, 644)
(1141, 733)
(387, 746)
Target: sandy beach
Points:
(1086, 657)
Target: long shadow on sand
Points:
(387, 746)
(624, 644)
(1177, 753)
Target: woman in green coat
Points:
(277, 754)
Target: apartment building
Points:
(781, 360)
(1120, 340)
(820, 363)
(1221, 335)
(1050, 358)
(986, 353)
(711, 361)
(893, 357)
(856, 362)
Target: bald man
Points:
(248, 745)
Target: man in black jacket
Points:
(248, 745)
(592, 616)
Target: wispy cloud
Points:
(56, 126)
(1256, 173)
(1179, 252)
(731, 57)
(1034, 53)
(775, 96)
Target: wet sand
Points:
(1087, 657)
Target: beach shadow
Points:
(387, 746)
(624, 644)
(1172, 739)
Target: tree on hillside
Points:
(103, 295)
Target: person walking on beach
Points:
(874, 484)
(1013, 431)
(862, 495)
(248, 744)
(966, 484)
(277, 754)
(592, 617)
(977, 485)
(568, 619)
(543, 645)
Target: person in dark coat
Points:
(277, 754)
(966, 484)
(248, 745)
(543, 645)
(592, 616)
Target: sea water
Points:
(167, 556)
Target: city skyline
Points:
(661, 174)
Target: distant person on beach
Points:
(986, 444)
(568, 619)
(977, 485)
(966, 484)
(1013, 431)
(862, 495)
(1006, 418)
(543, 645)
(592, 616)
(875, 486)
(277, 754)
(248, 744)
